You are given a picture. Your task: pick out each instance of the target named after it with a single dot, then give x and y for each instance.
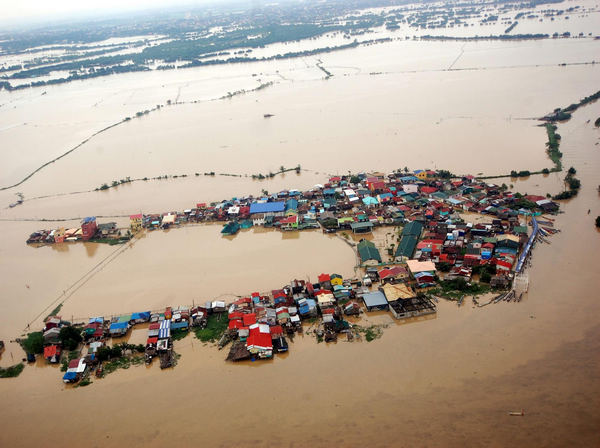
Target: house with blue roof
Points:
(277, 207)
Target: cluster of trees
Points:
(69, 336)
(511, 27)
(573, 184)
(523, 173)
(117, 351)
(553, 145)
(490, 37)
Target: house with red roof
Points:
(52, 353)
(325, 281)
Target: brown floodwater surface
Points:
(448, 381)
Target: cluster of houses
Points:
(434, 243)
(88, 230)
(97, 332)
(426, 203)
(259, 323)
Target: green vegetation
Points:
(597, 122)
(444, 174)
(115, 358)
(112, 241)
(573, 183)
(564, 114)
(123, 362)
(523, 203)
(70, 337)
(73, 354)
(55, 311)
(511, 27)
(598, 221)
(216, 325)
(34, 343)
(523, 173)
(490, 37)
(116, 351)
(179, 334)
(458, 287)
(84, 382)
(553, 146)
(443, 267)
(485, 272)
(12, 371)
(371, 333)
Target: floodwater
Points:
(443, 382)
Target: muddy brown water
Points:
(441, 382)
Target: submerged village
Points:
(455, 238)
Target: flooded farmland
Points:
(443, 382)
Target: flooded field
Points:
(419, 115)
(449, 381)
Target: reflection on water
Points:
(91, 249)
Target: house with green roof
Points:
(368, 253)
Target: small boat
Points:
(231, 228)
(520, 413)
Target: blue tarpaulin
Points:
(119, 325)
(142, 315)
(70, 376)
(178, 325)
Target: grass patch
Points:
(454, 289)
(216, 325)
(12, 371)
(55, 311)
(179, 334)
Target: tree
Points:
(597, 221)
(355, 180)
(572, 171)
(70, 337)
(34, 343)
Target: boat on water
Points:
(231, 228)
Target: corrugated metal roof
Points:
(267, 207)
